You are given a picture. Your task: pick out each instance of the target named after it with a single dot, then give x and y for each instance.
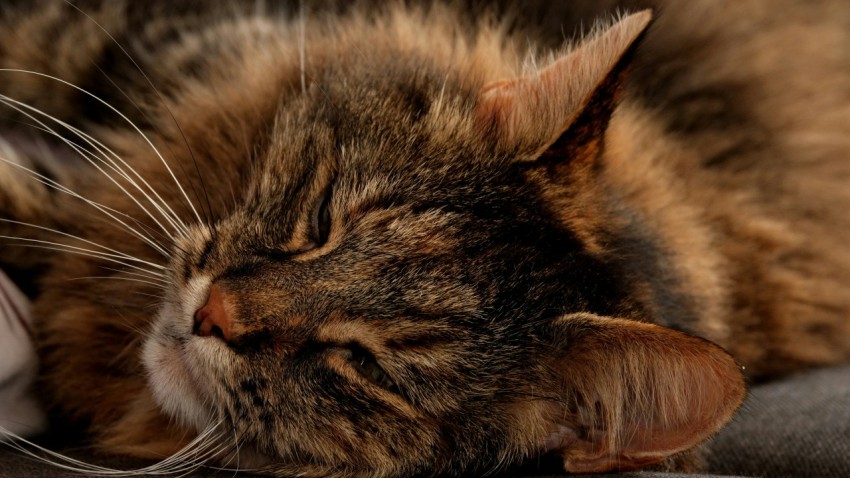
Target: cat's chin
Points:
(172, 385)
(171, 356)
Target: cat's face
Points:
(381, 296)
(386, 289)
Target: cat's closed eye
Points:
(366, 364)
(320, 225)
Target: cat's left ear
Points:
(564, 109)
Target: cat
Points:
(421, 239)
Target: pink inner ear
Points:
(490, 88)
(496, 104)
(517, 108)
(637, 393)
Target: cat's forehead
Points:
(396, 108)
(377, 137)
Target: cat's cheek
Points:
(171, 382)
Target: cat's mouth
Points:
(181, 369)
(175, 371)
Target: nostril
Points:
(217, 332)
(212, 320)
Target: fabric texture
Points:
(796, 427)
(19, 411)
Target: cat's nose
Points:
(212, 320)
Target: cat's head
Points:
(407, 286)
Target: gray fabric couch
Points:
(798, 427)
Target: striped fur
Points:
(525, 240)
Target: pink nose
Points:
(212, 319)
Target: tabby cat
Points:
(418, 239)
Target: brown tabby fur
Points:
(509, 292)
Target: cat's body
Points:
(456, 239)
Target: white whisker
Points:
(72, 251)
(130, 279)
(236, 445)
(114, 253)
(162, 206)
(125, 118)
(60, 187)
(302, 46)
(100, 207)
(78, 250)
(172, 465)
(111, 165)
(164, 103)
(205, 451)
(93, 159)
(193, 455)
(145, 275)
(236, 450)
(158, 297)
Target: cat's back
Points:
(753, 100)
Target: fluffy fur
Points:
(526, 241)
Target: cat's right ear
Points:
(632, 393)
(564, 109)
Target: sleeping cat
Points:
(407, 240)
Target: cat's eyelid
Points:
(321, 220)
(367, 366)
(317, 234)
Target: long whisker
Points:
(193, 457)
(153, 123)
(217, 452)
(158, 297)
(114, 252)
(160, 204)
(200, 447)
(146, 228)
(236, 446)
(74, 249)
(161, 99)
(100, 207)
(235, 453)
(125, 118)
(201, 455)
(172, 465)
(71, 251)
(238, 438)
(104, 159)
(302, 45)
(130, 279)
(93, 159)
(129, 273)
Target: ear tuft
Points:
(637, 393)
